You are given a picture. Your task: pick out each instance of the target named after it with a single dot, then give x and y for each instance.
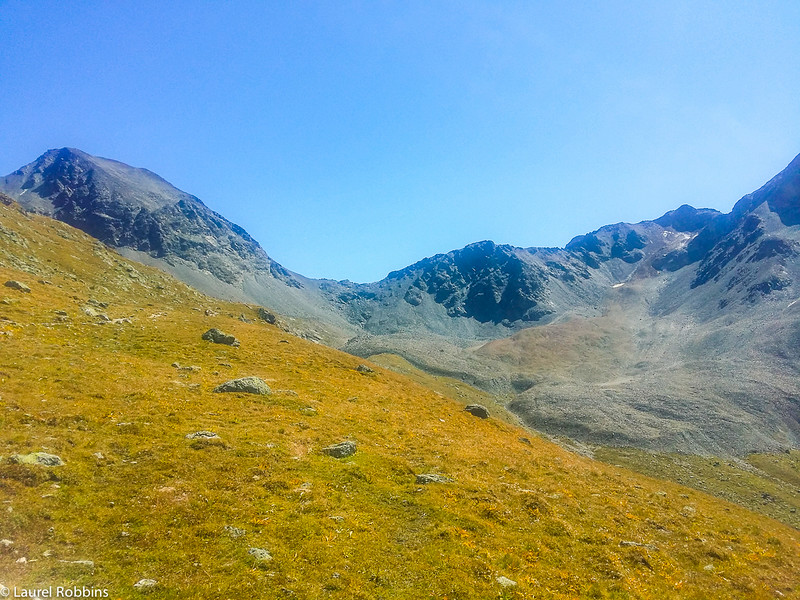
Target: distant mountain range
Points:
(681, 333)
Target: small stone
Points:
(234, 532)
(364, 369)
(425, 478)
(21, 561)
(506, 582)
(708, 568)
(89, 564)
(260, 554)
(340, 450)
(477, 410)
(17, 285)
(6, 543)
(202, 435)
(37, 458)
(244, 319)
(145, 584)
(525, 441)
(246, 385)
(218, 337)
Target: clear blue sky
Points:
(354, 138)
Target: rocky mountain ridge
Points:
(677, 333)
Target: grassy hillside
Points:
(141, 501)
(765, 483)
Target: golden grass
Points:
(153, 504)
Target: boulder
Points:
(218, 337)
(245, 385)
(37, 458)
(425, 478)
(260, 554)
(17, 285)
(477, 410)
(234, 532)
(145, 584)
(266, 316)
(202, 435)
(506, 582)
(340, 450)
(364, 369)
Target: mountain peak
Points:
(132, 208)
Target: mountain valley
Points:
(677, 334)
(124, 469)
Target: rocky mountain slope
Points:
(147, 219)
(123, 470)
(679, 333)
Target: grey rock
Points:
(89, 564)
(266, 316)
(234, 532)
(477, 410)
(426, 478)
(260, 554)
(244, 319)
(631, 544)
(90, 311)
(202, 435)
(340, 450)
(246, 385)
(17, 285)
(145, 584)
(37, 458)
(506, 582)
(218, 337)
(364, 369)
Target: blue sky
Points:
(354, 138)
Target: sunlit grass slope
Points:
(140, 500)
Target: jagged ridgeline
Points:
(140, 453)
(676, 334)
